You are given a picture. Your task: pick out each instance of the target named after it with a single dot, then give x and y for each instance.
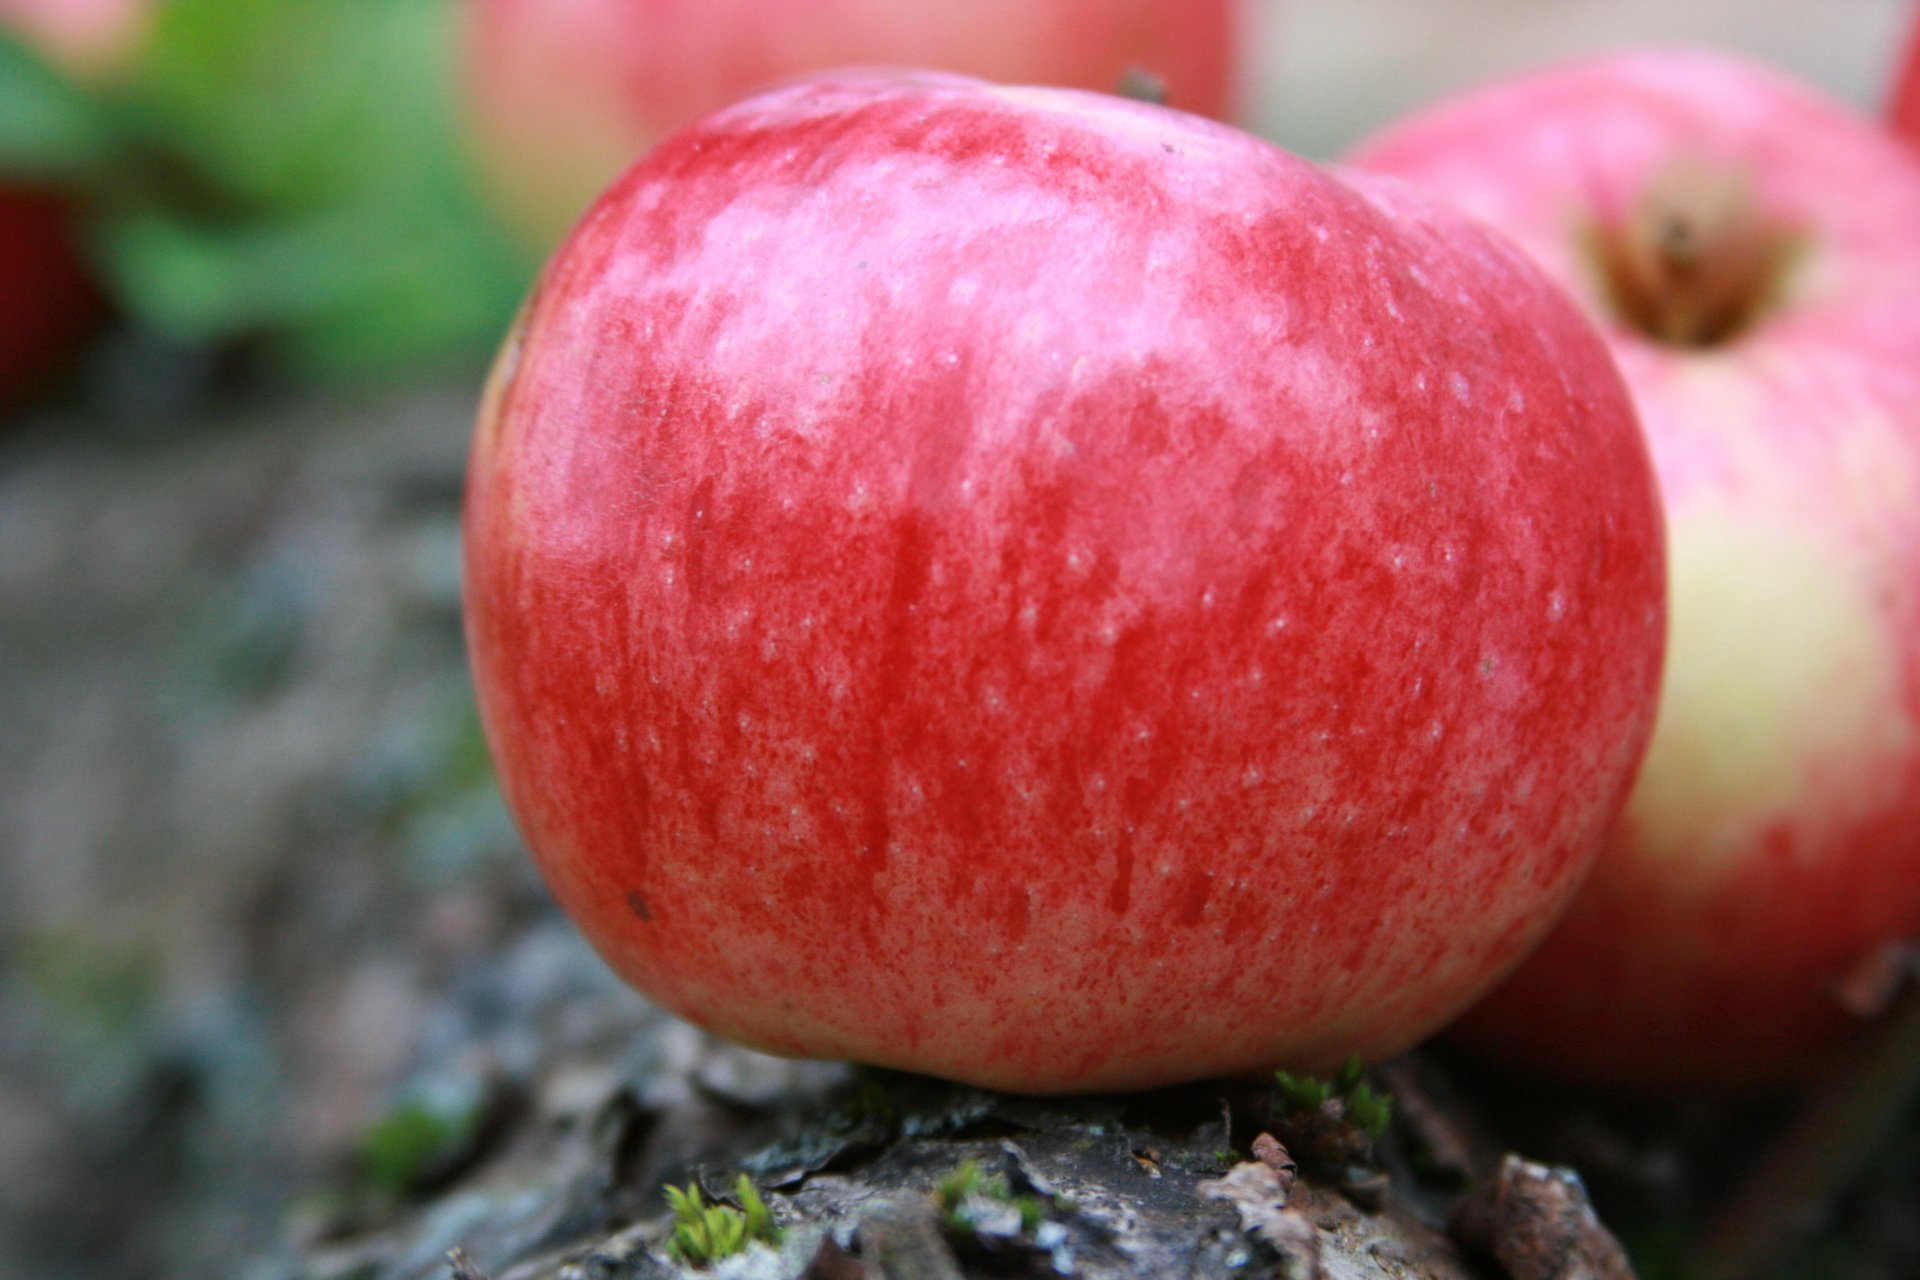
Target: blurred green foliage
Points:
(50, 131)
(285, 171)
(411, 1142)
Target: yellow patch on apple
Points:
(1777, 663)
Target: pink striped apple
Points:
(1753, 251)
(1053, 592)
(564, 93)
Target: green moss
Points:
(1365, 1108)
(105, 992)
(1370, 1112)
(1300, 1093)
(959, 1194)
(964, 1184)
(705, 1233)
(405, 1146)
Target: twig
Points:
(463, 1268)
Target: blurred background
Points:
(271, 961)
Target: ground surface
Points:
(280, 997)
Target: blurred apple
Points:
(1906, 92)
(563, 94)
(91, 40)
(48, 303)
(53, 142)
(1753, 250)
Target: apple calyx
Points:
(1696, 260)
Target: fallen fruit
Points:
(562, 96)
(1053, 592)
(1754, 252)
(48, 301)
(1905, 108)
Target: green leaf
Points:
(306, 185)
(49, 128)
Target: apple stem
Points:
(1846, 1119)
(1142, 85)
(1695, 261)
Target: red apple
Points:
(48, 302)
(1753, 251)
(1053, 592)
(564, 93)
(1905, 110)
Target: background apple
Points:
(1754, 252)
(1054, 592)
(1906, 91)
(563, 94)
(50, 301)
(91, 40)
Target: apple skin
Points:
(1905, 109)
(563, 94)
(1773, 840)
(1052, 592)
(49, 304)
